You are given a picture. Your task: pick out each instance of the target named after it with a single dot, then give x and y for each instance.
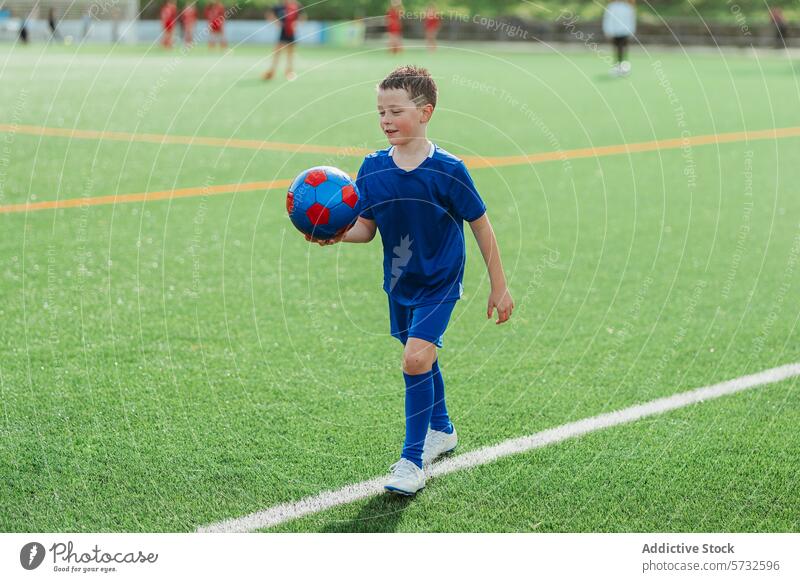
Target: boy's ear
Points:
(427, 112)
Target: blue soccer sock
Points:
(419, 402)
(439, 419)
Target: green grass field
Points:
(173, 363)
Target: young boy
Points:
(189, 20)
(215, 15)
(169, 16)
(287, 14)
(418, 195)
(394, 26)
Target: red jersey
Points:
(288, 14)
(169, 15)
(431, 20)
(215, 14)
(189, 15)
(393, 22)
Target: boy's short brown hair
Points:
(416, 81)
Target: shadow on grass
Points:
(606, 78)
(381, 514)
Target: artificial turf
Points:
(169, 364)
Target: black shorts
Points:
(620, 41)
(286, 36)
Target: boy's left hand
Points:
(500, 299)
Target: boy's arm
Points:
(362, 231)
(499, 297)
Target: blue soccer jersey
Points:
(420, 215)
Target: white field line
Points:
(287, 511)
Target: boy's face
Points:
(401, 120)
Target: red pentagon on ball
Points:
(318, 214)
(349, 196)
(315, 178)
(289, 202)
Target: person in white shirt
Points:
(619, 24)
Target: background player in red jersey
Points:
(215, 15)
(394, 26)
(169, 16)
(432, 23)
(287, 14)
(188, 19)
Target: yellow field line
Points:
(473, 162)
(251, 144)
(144, 196)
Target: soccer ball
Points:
(323, 202)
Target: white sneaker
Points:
(405, 478)
(615, 71)
(438, 443)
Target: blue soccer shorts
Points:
(427, 322)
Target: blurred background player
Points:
(215, 15)
(53, 24)
(116, 20)
(394, 26)
(619, 24)
(188, 20)
(86, 24)
(287, 14)
(781, 28)
(432, 23)
(169, 16)
(23, 28)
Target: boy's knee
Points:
(418, 357)
(414, 365)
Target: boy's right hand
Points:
(325, 242)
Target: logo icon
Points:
(402, 254)
(31, 555)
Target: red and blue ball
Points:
(323, 202)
